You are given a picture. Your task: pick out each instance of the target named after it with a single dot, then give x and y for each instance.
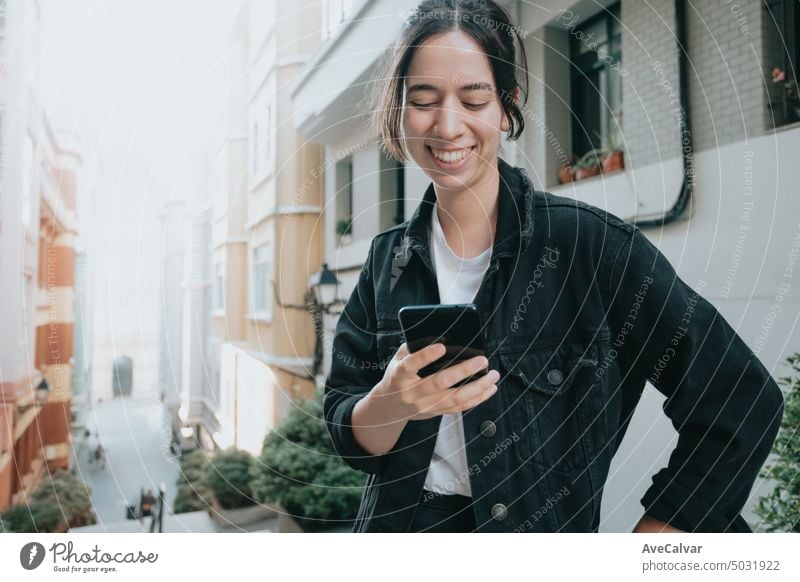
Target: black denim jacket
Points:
(580, 311)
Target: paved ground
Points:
(136, 436)
(192, 522)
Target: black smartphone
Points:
(457, 326)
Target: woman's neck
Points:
(468, 217)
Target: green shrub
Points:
(299, 468)
(61, 501)
(192, 493)
(780, 510)
(228, 475)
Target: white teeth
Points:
(451, 156)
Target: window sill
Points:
(784, 127)
(259, 317)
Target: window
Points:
(2, 24)
(261, 283)
(255, 144)
(392, 192)
(267, 135)
(219, 287)
(27, 177)
(261, 142)
(596, 83)
(344, 200)
(334, 15)
(782, 59)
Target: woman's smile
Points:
(450, 159)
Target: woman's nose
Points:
(448, 124)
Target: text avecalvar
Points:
(671, 549)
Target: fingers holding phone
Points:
(418, 397)
(462, 386)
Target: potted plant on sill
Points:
(588, 165)
(790, 92)
(344, 231)
(566, 171)
(613, 158)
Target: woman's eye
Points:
(475, 106)
(422, 105)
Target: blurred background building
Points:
(39, 182)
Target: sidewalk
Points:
(136, 438)
(192, 522)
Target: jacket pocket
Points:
(555, 387)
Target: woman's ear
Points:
(505, 124)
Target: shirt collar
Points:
(514, 214)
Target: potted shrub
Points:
(780, 510)
(58, 504)
(300, 470)
(228, 476)
(588, 165)
(344, 231)
(193, 493)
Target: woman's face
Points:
(452, 116)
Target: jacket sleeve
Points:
(354, 371)
(721, 400)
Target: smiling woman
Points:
(528, 445)
(454, 81)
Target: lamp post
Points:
(42, 391)
(321, 296)
(325, 286)
(325, 292)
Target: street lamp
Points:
(325, 286)
(321, 296)
(42, 391)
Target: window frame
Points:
(580, 79)
(219, 287)
(786, 16)
(261, 259)
(335, 13)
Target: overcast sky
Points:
(145, 86)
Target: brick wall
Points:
(726, 43)
(726, 87)
(547, 136)
(650, 123)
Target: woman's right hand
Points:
(415, 398)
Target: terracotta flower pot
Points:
(613, 162)
(565, 174)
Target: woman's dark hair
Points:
(483, 20)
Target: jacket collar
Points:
(514, 214)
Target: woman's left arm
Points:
(722, 401)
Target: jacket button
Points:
(499, 511)
(488, 428)
(555, 377)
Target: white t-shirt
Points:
(458, 280)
